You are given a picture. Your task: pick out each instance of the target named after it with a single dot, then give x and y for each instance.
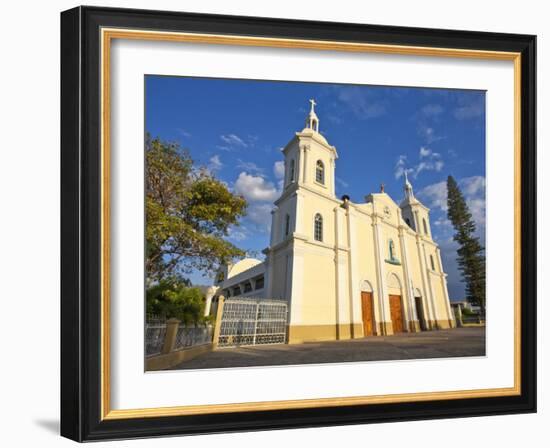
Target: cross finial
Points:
(406, 178)
(313, 104)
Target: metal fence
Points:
(155, 332)
(252, 321)
(193, 335)
(187, 336)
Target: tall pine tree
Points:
(471, 254)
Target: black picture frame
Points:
(81, 380)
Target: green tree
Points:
(188, 214)
(471, 254)
(171, 297)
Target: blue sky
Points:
(236, 128)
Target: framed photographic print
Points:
(276, 224)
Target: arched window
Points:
(425, 225)
(292, 169)
(408, 221)
(320, 172)
(432, 262)
(287, 224)
(318, 228)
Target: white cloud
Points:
(469, 107)
(260, 214)
(425, 152)
(361, 102)
(428, 134)
(249, 166)
(238, 233)
(215, 163)
(477, 209)
(279, 169)
(435, 195)
(342, 182)
(428, 161)
(473, 189)
(233, 140)
(399, 169)
(473, 185)
(442, 222)
(255, 188)
(432, 110)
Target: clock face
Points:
(387, 212)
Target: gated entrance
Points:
(252, 321)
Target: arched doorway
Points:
(396, 303)
(367, 308)
(420, 313)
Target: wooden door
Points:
(368, 313)
(396, 313)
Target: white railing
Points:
(253, 321)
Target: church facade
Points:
(347, 270)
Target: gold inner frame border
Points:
(107, 35)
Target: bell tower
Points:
(415, 214)
(310, 161)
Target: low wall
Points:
(172, 359)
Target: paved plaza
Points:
(457, 342)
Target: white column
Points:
(210, 293)
(417, 225)
(383, 298)
(427, 309)
(341, 273)
(300, 164)
(409, 294)
(332, 188)
(270, 261)
(444, 287)
(353, 274)
(306, 151)
(298, 215)
(273, 239)
(430, 288)
(295, 285)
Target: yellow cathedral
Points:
(347, 270)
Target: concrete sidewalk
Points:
(456, 342)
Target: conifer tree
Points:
(471, 254)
